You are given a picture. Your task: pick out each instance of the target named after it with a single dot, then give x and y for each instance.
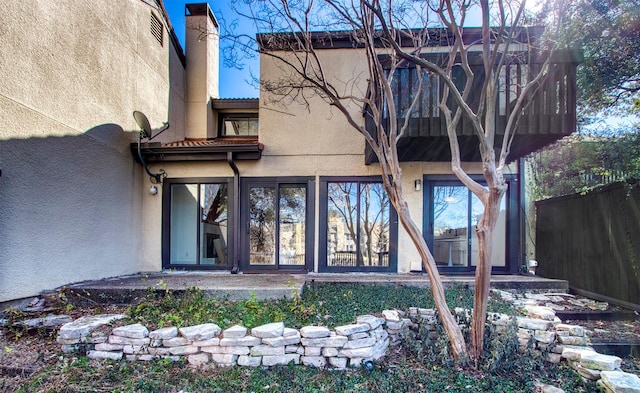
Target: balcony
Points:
(550, 115)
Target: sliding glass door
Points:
(452, 215)
(277, 219)
(358, 227)
(197, 224)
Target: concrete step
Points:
(129, 289)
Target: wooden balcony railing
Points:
(550, 112)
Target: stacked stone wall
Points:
(267, 345)
(345, 346)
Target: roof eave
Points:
(156, 153)
(235, 103)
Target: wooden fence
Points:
(593, 241)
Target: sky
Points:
(234, 83)
(237, 83)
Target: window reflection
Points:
(262, 219)
(277, 225)
(239, 125)
(292, 225)
(199, 224)
(498, 257)
(214, 224)
(358, 224)
(456, 212)
(450, 225)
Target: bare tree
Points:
(393, 36)
(480, 108)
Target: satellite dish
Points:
(143, 123)
(145, 126)
(145, 132)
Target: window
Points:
(456, 212)
(277, 224)
(358, 226)
(239, 124)
(277, 217)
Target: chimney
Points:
(202, 44)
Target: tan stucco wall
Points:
(71, 73)
(302, 140)
(297, 165)
(202, 46)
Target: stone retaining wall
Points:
(345, 346)
(266, 345)
(272, 344)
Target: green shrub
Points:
(328, 304)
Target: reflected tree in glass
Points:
(214, 225)
(358, 224)
(214, 200)
(292, 225)
(342, 223)
(262, 228)
(374, 224)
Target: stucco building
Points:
(249, 185)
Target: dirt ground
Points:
(610, 330)
(23, 352)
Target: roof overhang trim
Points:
(155, 152)
(235, 103)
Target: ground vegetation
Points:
(421, 364)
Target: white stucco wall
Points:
(71, 74)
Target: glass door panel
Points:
(358, 229)
(198, 227)
(450, 225)
(262, 225)
(342, 223)
(498, 258)
(277, 221)
(214, 224)
(374, 225)
(292, 225)
(455, 214)
(184, 211)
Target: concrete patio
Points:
(125, 289)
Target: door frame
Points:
(166, 223)
(306, 181)
(512, 241)
(323, 266)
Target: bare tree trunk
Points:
(379, 31)
(484, 231)
(449, 323)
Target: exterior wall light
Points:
(418, 185)
(153, 190)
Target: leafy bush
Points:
(504, 367)
(580, 163)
